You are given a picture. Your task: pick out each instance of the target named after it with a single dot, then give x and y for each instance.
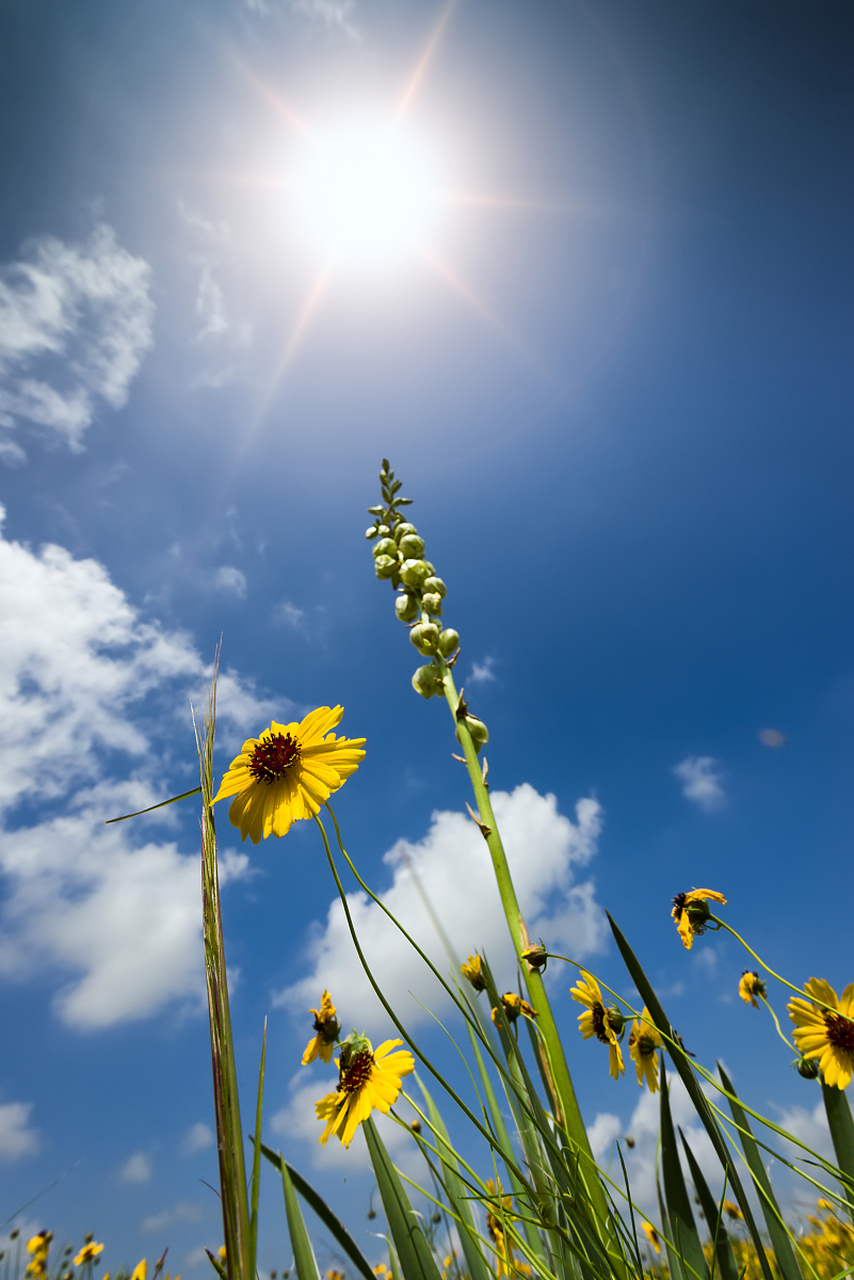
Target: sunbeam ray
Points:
(424, 61)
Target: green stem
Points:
(797, 990)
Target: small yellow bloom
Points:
(87, 1253)
(691, 913)
(380, 1270)
(599, 1021)
(826, 1034)
(751, 986)
(473, 970)
(140, 1271)
(732, 1210)
(288, 773)
(496, 1225)
(335, 1275)
(513, 1005)
(652, 1235)
(368, 1080)
(644, 1043)
(328, 1027)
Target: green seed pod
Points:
(432, 603)
(384, 531)
(425, 637)
(436, 586)
(430, 569)
(403, 529)
(372, 532)
(411, 546)
(413, 572)
(385, 566)
(449, 640)
(426, 682)
(478, 730)
(386, 547)
(406, 608)
(808, 1068)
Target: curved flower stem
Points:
(783, 1037)
(565, 1099)
(797, 990)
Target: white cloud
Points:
(482, 672)
(210, 306)
(329, 13)
(16, 1138)
(197, 1138)
(112, 910)
(286, 614)
(183, 1211)
(75, 323)
(544, 850)
(229, 579)
(138, 1168)
(701, 782)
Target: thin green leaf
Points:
(304, 1260)
(673, 1257)
(724, 1257)
(151, 808)
(842, 1132)
(781, 1241)
(256, 1156)
(413, 1251)
(333, 1224)
(686, 1239)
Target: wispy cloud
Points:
(230, 580)
(137, 1168)
(482, 672)
(197, 1138)
(16, 1137)
(701, 782)
(75, 323)
(286, 614)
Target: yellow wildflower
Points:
(826, 1034)
(691, 913)
(652, 1235)
(288, 773)
(140, 1271)
(328, 1027)
(751, 986)
(88, 1252)
(513, 1005)
(536, 956)
(605, 1024)
(644, 1043)
(380, 1270)
(473, 970)
(368, 1080)
(732, 1210)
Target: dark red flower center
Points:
(840, 1031)
(356, 1073)
(273, 756)
(600, 1023)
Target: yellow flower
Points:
(368, 1081)
(335, 1275)
(536, 956)
(751, 986)
(826, 1034)
(496, 1224)
(652, 1235)
(473, 970)
(327, 1026)
(288, 773)
(380, 1270)
(88, 1252)
(604, 1024)
(644, 1042)
(513, 1005)
(691, 913)
(732, 1210)
(140, 1271)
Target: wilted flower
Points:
(691, 913)
(513, 1005)
(751, 986)
(328, 1028)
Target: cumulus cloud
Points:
(286, 614)
(75, 323)
(138, 1168)
(545, 850)
(231, 580)
(701, 782)
(183, 1211)
(482, 672)
(112, 910)
(16, 1137)
(197, 1138)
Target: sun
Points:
(365, 192)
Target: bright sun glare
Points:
(365, 193)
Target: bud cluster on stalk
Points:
(399, 557)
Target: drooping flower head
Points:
(652, 1235)
(605, 1024)
(38, 1247)
(513, 1005)
(826, 1034)
(536, 956)
(88, 1253)
(644, 1043)
(472, 969)
(496, 1225)
(288, 773)
(751, 986)
(368, 1080)
(327, 1027)
(691, 913)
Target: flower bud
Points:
(411, 546)
(406, 608)
(437, 586)
(477, 729)
(385, 566)
(375, 511)
(403, 529)
(426, 681)
(386, 547)
(449, 640)
(383, 531)
(425, 637)
(432, 603)
(536, 956)
(413, 572)
(372, 532)
(616, 1019)
(808, 1068)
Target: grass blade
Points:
(304, 1260)
(413, 1251)
(724, 1257)
(842, 1132)
(685, 1237)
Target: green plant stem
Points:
(799, 991)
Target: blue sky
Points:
(613, 370)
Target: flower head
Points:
(691, 913)
(751, 986)
(140, 1271)
(513, 1005)
(288, 773)
(536, 956)
(826, 1033)
(644, 1043)
(368, 1080)
(327, 1027)
(652, 1235)
(496, 1225)
(472, 969)
(599, 1021)
(732, 1210)
(88, 1252)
